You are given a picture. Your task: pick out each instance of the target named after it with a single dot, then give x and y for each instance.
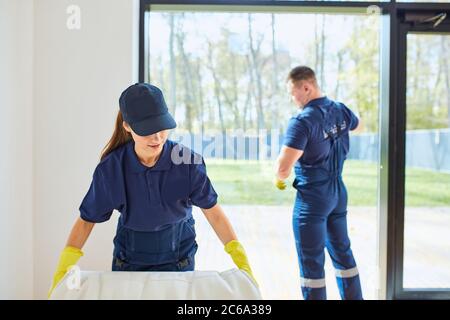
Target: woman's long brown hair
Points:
(120, 137)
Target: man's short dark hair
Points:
(302, 73)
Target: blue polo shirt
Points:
(148, 198)
(306, 131)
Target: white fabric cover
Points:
(232, 284)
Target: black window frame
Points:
(396, 203)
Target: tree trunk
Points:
(316, 45)
(216, 89)
(274, 58)
(255, 66)
(234, 102)
(275, 85)
(339, 70)
(246, 124)
(322, 55)
(200, 98)
(219, 104)
(187, 75)
(173, 78)
(161, 75)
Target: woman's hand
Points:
(235, 249)
(69, 257)
(72, 252)
(222, 226)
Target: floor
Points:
(266, 233)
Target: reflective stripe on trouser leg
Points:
(349, 284)
(313, 289)
(348, 273)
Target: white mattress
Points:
(232, 284)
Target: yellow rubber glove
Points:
(280, 184)
(69, 256)
(235, 249)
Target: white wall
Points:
(16, 153)
(58, 99)
(79, 75)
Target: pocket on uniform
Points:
(188, 233)
(154, 242)
(190, 223)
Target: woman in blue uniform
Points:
(153, 182)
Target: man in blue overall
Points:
(317, 142)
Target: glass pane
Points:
(224, 78)
(427, 181)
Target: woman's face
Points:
(150, 145)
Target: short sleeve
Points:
(351, 118)
(297, 134)
(97, 205)
(202, 193)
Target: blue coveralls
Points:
(156, 230)
(321, 130)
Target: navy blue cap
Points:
(143, 107)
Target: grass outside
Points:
(250, 182)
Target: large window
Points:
(223, 69)
(223, 75)
(427, 177)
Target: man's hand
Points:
(280, 184)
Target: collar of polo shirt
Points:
(134, 165)
(318, 101)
